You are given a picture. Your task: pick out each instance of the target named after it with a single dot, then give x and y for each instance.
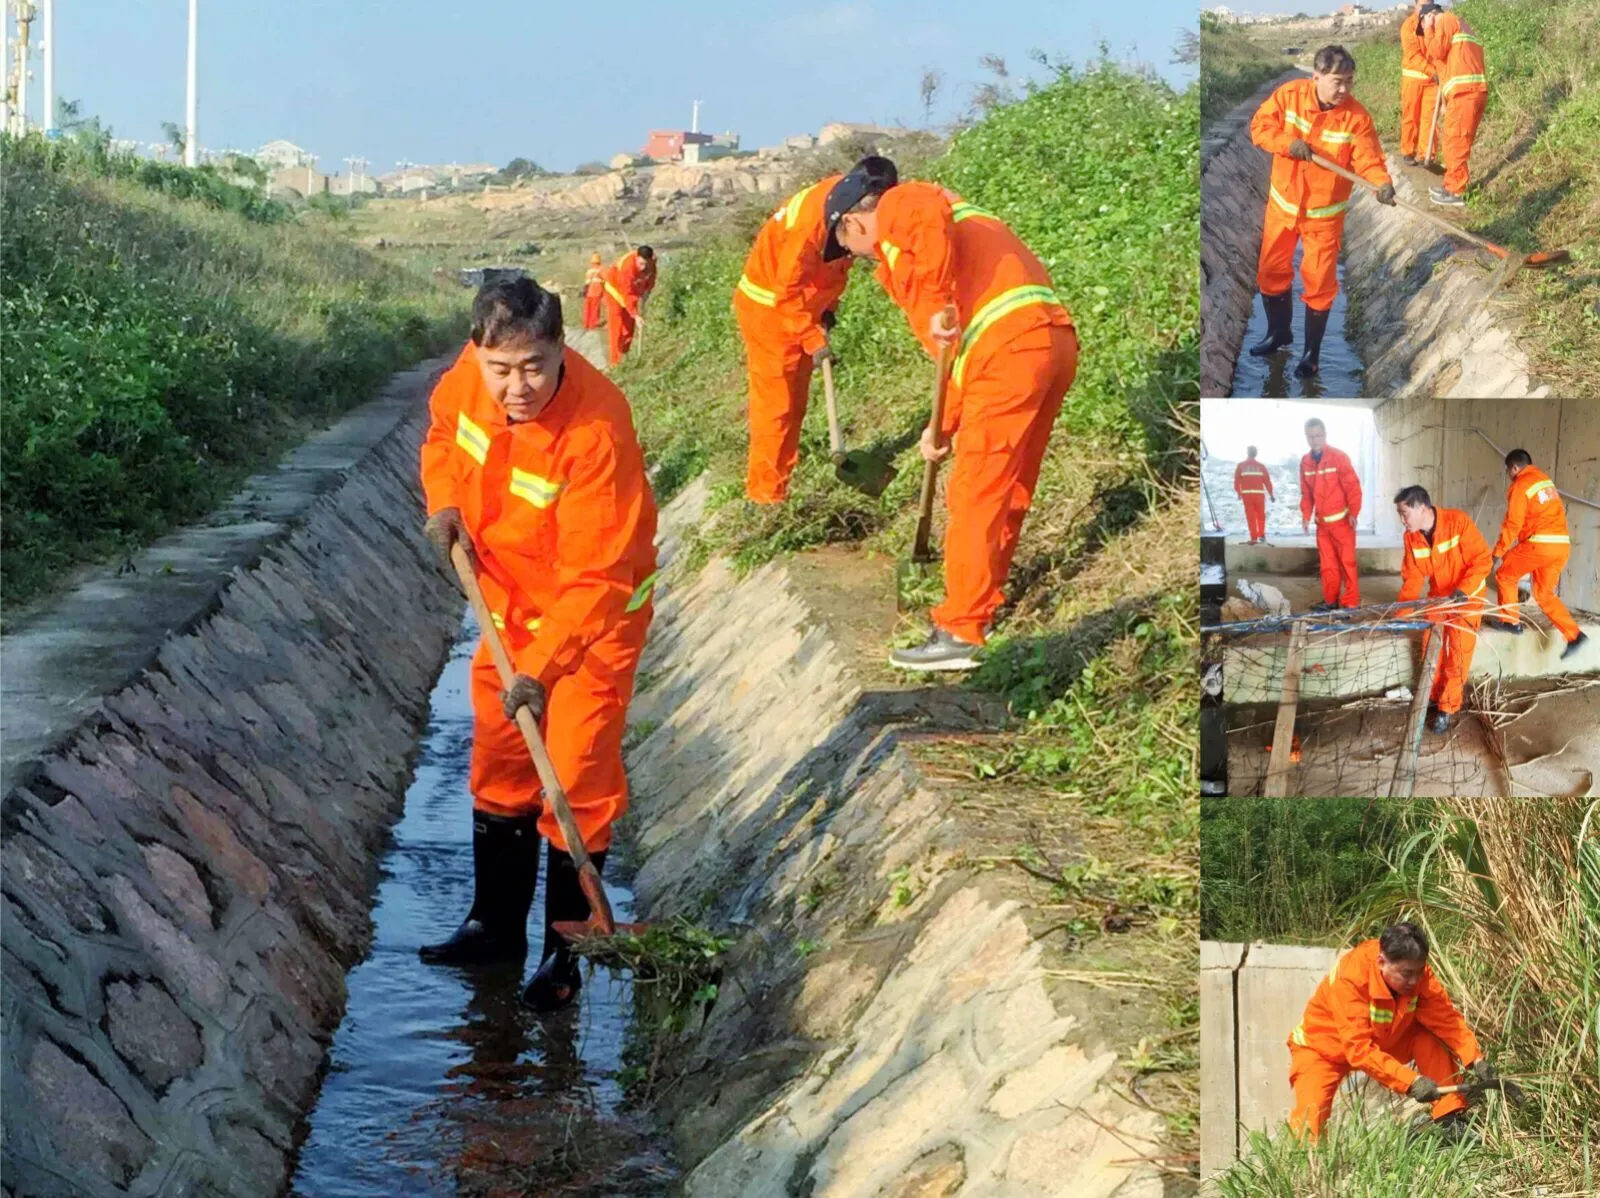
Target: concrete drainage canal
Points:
(1416, 313)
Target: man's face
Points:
(858, 233)
(1316, 438)
(1331, 87)
(521, 375)
(1402, 977)
(1414, 519)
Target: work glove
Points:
(828, 320)
(1386, 194)
(1300, 148)
(1425, 1089)
(823, 354)
(443, 529)
(525, 692)
(1458, 596)
(1482, 1071)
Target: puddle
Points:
(1342, 375)
(438, 1082)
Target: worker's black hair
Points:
(1403, 941)
(1413, 496)
(1518, 458)
(1334, 60)
(646, 252)
(1250, 451)
(513, 310)
(1428, 8)
(1315, 423)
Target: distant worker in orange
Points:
(594, 287)
(532, 465)
(1305, 203)
(627, 281)
(1330, 493)
(1533, 540)
(1456, 56)
(1379, 1008)
(1419, 89)
(784, 304)
(1252, 483)
(966, 282)
(1444, 550)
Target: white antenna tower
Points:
(16, 77)
(5, 65)
(49, 50)
(358, 170)
(191, 135)
(694, 122)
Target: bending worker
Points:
(784, 305)
(1380, 1007)
(1456, 56)
(967, 283)
(627, 281)
(1330, 493)
(1305, 202)
(1533, 540)
(1444, 550)
(594, 287)
(531, 463)
(1253, 485)
(1419, 89)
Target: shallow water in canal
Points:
(1341, 374)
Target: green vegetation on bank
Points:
(165, 333)
(1232, 66)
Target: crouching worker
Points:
(1379, 1008)
(532, 464)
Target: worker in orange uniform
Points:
(1305, 202)
(1533, 540)
(1419, 89)
(967, 282)
(1443, 549)
(1252, 483)
(1330, 493)
(784, 305)
(1456, 55)
(627, 281)
(1380, 1007)
(594, 287)
(531, 463)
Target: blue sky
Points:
(392, 79)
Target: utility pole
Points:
(694, 121)
(358, 170)
(49, 121)
(5, 66)
(17, 80)
(191, 136)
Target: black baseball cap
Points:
(871, 176)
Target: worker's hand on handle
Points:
(943, 327)
(1425, 1089)
(446, 528)
(1482, 1071)
(524, 692)
(824, 353)
(1305, 527)
(1300, 148)
(1385, 194)
(933, 447)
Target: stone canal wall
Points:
(188, 861)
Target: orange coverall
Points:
(1418, 91)
(1015, 360)
(1253, 484)
(1354, 1021)
(626, 282)
(1330, 493)
(1457, 558)
(1456, 56)
(563, 523)
(1306, 203)
(594, 286)
(1533, 540)
(779, 302)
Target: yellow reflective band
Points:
(1337, 139)
(1339, 515)
(891, 253)
(541, 492)
(1537, 487)
(1379, 1015)
(1295, 121)
(615, 294)
(1000, 306)
(1465, 37)
(1550, 538)
(1412, 1006)
(793, 206)
(471, 438)
(1277, 198)
(760, 295)
(1257, 491)
(1461, 79)
(1299, 1036)
(497, 620)
(1330, 210)
(1482, 586)
(1315, 213)
(1447, 546)
(1410, 74)
(1327, 470)
(642, 592)
(1421, 551)
(961, 210)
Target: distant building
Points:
(304, 181)
(666, 145)
(280, 154)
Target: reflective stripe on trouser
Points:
(1008, 402)
(1460, 643)
(1336, 559)
(1417, 98)
(619, 330)
(1319, 256)
(591, 311)
(582, 729)
(1315, 1079)
(780, 381)
(1545, 563)
(1255, 515)
(1462, 112)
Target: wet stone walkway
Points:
(438, 1082)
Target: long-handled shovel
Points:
(1513, 262)
(922, 543)
(1433, 129)
(600, 921)
(856, 468)
(1472, 1089)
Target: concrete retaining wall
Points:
(187, 875)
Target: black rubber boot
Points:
(1280, 325)
(1502, 625)
(505, 869)
(1441, 722)
(1574, 646)
(558, 979)
(1316, 326)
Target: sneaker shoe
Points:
(1409, 159)
(1445, 198)
(1574, 646)
(1323, 605)
(940, 651)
